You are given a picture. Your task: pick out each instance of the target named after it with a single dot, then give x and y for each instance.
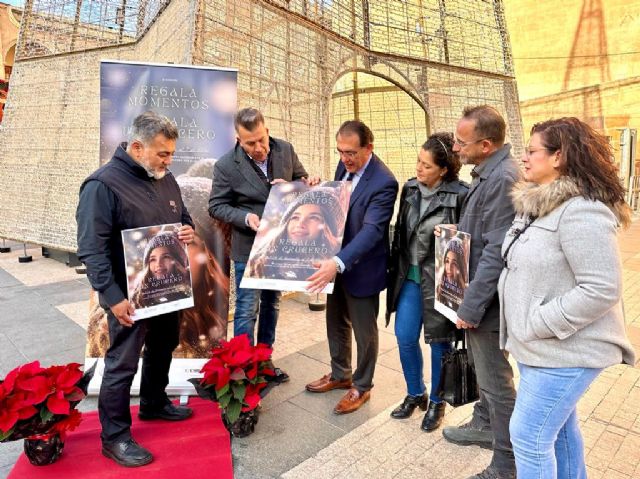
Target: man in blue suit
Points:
(359, 268)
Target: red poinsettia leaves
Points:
(8, 419)
(267, 372)
(68, 377)
(9, 381)
(31, 395)
(26, 412)
(252, 401)
(37, 388)
(252, 396)
(239, 358)
(262, 352)
(252, 371)
(57, 404)
(30, 369)
(69, 423)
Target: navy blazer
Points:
(365, 247)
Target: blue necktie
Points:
(350, 176)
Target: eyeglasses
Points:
(462, 144)
(529, 151)
(347, 154)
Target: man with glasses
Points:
(242, 180)
(487, 213)
(359, 268)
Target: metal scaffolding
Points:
(405, 67)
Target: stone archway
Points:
(8, 60)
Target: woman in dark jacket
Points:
(434, 197)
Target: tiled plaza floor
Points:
(43, 309)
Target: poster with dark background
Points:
(300, 225)
(201, 101)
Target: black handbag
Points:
(458, 383)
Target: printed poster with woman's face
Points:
(452, 270)
(158, 272)
(300, 226)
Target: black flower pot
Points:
(42, 452)
(244, 425)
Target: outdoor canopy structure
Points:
(405, 67)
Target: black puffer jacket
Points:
(444, 209)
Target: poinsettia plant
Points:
(235, 376)
(37, 402)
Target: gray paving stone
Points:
(7, 280)
(63, 292)
(284, 437)
(302, 370)
(10, 355)
(48, 338)
(388, 389)
(9, 453)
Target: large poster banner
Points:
(201, 101)
(452, 270)
(300, 226)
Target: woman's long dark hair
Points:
(586, 157)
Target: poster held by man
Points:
(452, 270)
(158, 271)
(301, 225)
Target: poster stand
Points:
(25, 258)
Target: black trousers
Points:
(159, 336)
(346, 313)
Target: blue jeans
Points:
(545, 432)
(408, 328)
(248, 303)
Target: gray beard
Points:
(157, 175)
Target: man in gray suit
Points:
(487, 213)
(241, 182)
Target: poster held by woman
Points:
(452, 271)
(158, 272)
(301, 225)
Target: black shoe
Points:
(170, 412)
(127, 453)
(433, 418)
(279, 378)
(409, 405)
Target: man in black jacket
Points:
(242, 180)
(133, 190)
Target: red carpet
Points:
(193, 449)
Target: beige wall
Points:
(562, 69)
(543, 29)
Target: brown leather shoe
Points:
(351, 401)
(325, 383)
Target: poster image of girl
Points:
(452, 266)
(309, 229)
(160, 280)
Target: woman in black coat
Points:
(434, 197)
